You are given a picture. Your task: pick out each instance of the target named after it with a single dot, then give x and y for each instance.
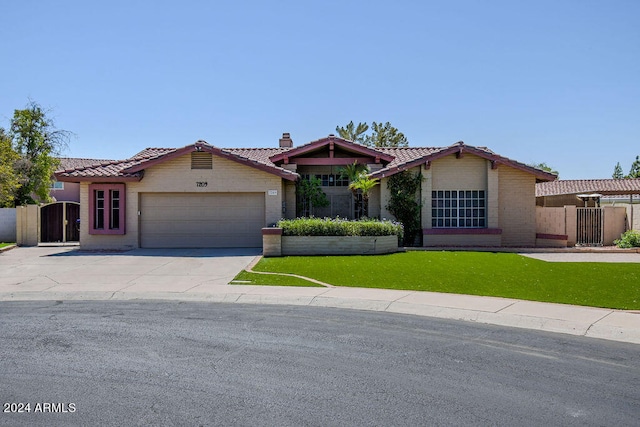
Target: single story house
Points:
(205, 196)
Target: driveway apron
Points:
(64, 269)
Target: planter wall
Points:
(275, 244)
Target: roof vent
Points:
(286, 141)
(201, 160)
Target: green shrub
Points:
(629, 239)
(339, 227)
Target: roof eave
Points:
(347, 145)
(131, 178)
(460, 149)
(202, 146)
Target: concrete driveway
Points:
(65, 269)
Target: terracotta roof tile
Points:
(407, 154)
(69, 163)
(107, 169)
(579, 186)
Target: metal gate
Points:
(59, 222)
(590, 227)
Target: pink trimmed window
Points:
(106, 208)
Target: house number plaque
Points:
(201, 183)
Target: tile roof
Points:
(401, 157)
(404, 155)
(67, 163)
(105, 169)
(119, 169)
(579, 186)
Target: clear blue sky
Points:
(538, 81)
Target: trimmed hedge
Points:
(339, 227)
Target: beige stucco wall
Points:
(384, 197)
(451, 173)
(176, 176)
(550, 220)
(27, 225)
(510, 200)
(289, 188)
(614, 223)
(338, 245)
(632, 217)
(466, 173)
(517, 207)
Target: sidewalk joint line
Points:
(504, 308)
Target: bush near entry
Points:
(312, 226)
(629, 239)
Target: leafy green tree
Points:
(37, 142)
(364, 184)
(8, 179)
(382, 135)
(634, 172)
(385, 135)
(353, 133)
(405, 203)
(543, 166)
(309, 194)
(617, 172)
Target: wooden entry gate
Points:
(590, 230)
(59, 222)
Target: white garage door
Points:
(214, 220)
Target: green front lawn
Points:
(475, 273)
(248, 278)
(2, 245)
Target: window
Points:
(56, 185)
(458, 209)
(106, 208)
(330, 180)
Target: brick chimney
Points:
(286, 141)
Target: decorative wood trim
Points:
(460, 149)
(327, 161)
(339, 142)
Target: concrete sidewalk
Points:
(202, 275)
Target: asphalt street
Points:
(197, 363)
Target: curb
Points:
(608, 324)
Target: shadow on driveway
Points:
(177, 253)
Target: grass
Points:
(2, 245)
(271, 280)
(610, 285)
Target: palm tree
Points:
(352, 172)
(364, 183)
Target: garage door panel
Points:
(201, 220)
